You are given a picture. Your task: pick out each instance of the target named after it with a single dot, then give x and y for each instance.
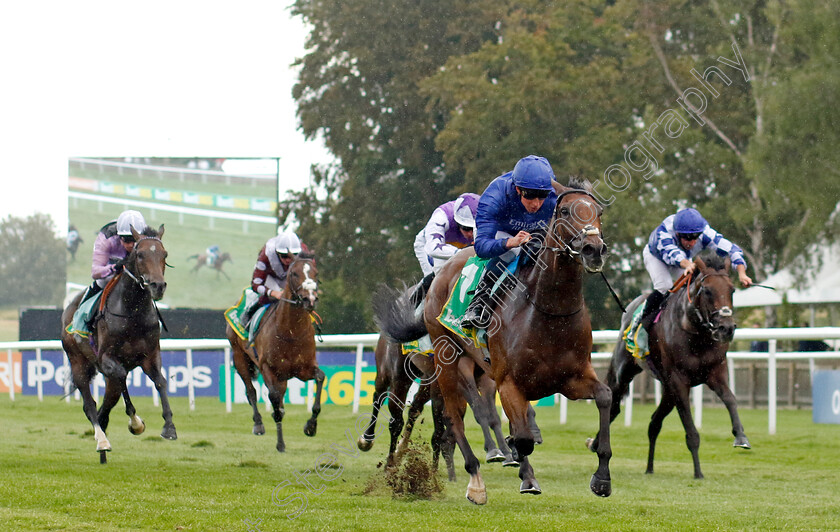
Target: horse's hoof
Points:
(495, 455)
(530, 486)
(364, 445)
(169, 433)
(281, 448)
(601, 488)
(742, 442)
(477, 496)
(310, 428)
(590, 444)
(137, 430)
(259, 430)
(510, 462)
(101, 448)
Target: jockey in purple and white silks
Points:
(669, 253)
(113, 244)
(513, 205)
(449, 229)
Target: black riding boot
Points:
(91, 291)
(422, 288)
(479, 311)
(654, 301)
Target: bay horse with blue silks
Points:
(283, 348)
(126, 335)
(539, 341)
(688, 345)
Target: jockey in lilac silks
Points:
(449, 229)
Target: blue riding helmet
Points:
(689, 221)
(533, 172)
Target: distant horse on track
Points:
(125, 336)
(688, 346)
(540, 341)
(202, 259)
(284, 348)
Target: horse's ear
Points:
(134, 233)
(160, 231)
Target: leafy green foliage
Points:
(420, 102)
(32, 269)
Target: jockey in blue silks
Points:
(513, 206)
(670, 252)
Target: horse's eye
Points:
(564, 211)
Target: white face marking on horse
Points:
(153, 247)
(308, 283)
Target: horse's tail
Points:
(395, 316)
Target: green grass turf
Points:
(217, 475)
(202, 289)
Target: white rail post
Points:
(228, 383)
(730, 366)
(357, 380)
(771, 387)
(190, 383)
(657, 392)
(628, 406)
(38, 365)
(564, 409)
(697, 395)
(12, 374)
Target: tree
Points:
(32, 270)
(358, 87)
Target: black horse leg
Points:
(151, 367)
(655, 426)
(136, 425)
(115, 375)
(83, 373)
(311, 425)
(692, 436)
(396, 406)
(718, 381)
(443, 441)
(365, 441)
(491, 423)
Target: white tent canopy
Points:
(820, 286)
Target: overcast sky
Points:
(156, 79)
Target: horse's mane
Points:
(713, 261)
(149, 231)
(579, 183)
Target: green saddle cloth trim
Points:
(79, 323)
(233, 315)
(424, 344)
(460, 298)
(635, 344)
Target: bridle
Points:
(706, 321)
(142, 282)
(307, 284)
(586, 230)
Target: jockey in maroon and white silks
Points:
(272, 265)
(449, 229)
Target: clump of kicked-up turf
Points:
(414, 476)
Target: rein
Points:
(140, 282)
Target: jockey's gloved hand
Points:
(119, 265)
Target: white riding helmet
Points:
(287, 243)
(127, 219)
(465, 207)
